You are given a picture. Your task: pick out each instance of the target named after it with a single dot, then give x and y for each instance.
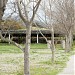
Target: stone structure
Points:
(63, 44)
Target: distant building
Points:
(20, 35)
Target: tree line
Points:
(55, 12)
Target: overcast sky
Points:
(10, 8)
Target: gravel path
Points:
(70, 68)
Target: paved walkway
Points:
(70, 68)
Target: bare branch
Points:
(35, 10)
(20, 13)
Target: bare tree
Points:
(24, 10)
(65, 17)
(48, 21)
(48, 16)
(52, 31)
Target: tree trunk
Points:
(26, 51)
(71, 38)
(2, 6)
(68, 42)
(52, 43)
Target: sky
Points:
(10, 8)
(40, 12)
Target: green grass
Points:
(58, 47)
(39, 46)
(6, 48)
(11, 60)
(43, 71)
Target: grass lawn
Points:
(11, 60)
